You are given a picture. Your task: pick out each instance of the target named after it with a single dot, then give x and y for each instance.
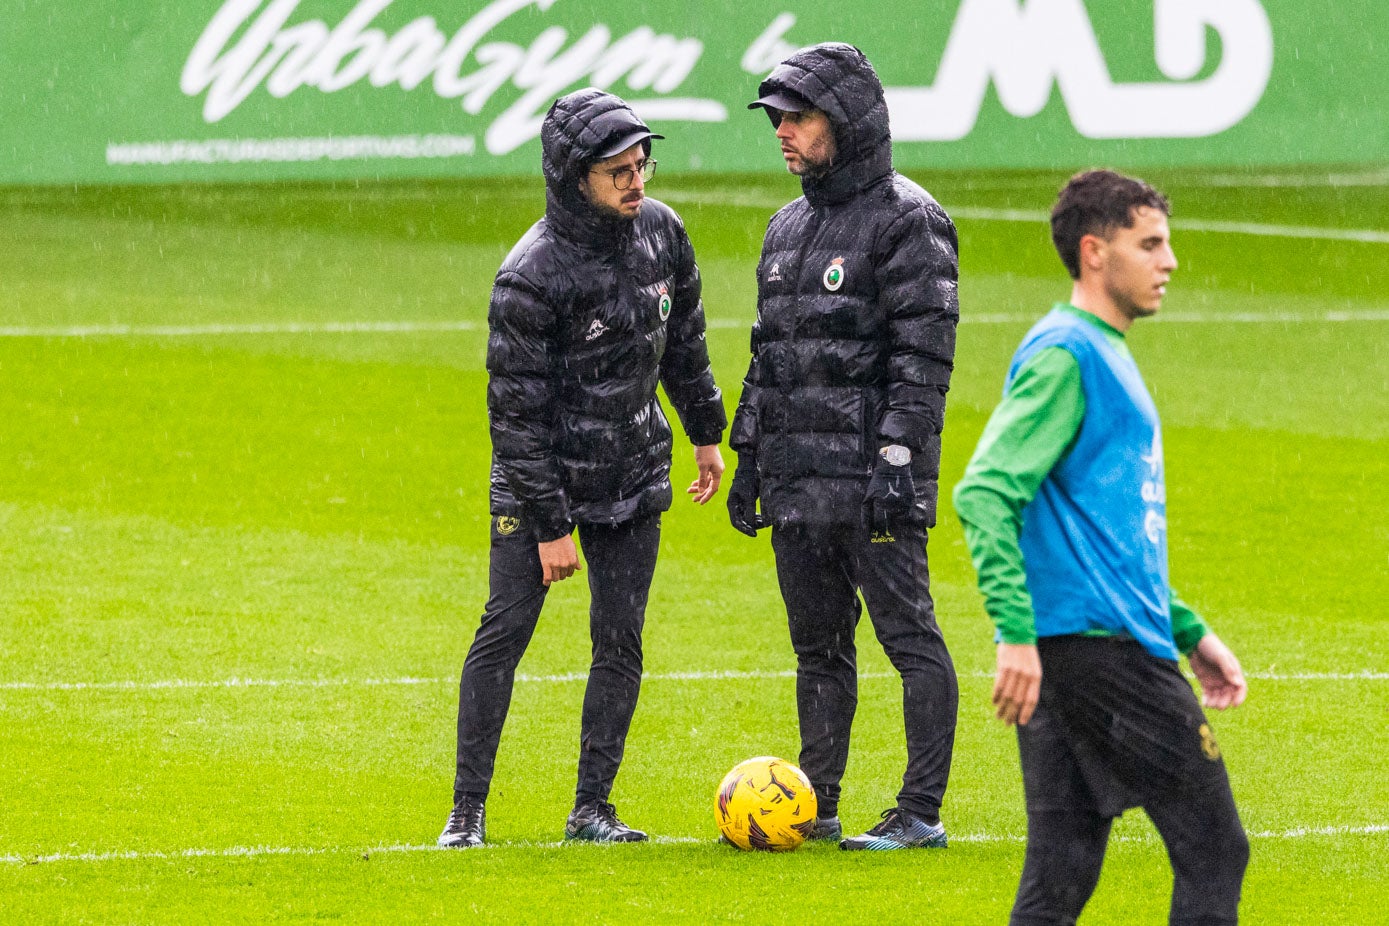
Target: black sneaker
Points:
(899, 830)
(596, 821)
(467, 826)
(825, 830)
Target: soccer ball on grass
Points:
(766, 804)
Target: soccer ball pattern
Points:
(766, 804)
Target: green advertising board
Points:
(119, 91)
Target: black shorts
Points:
(1127, 720)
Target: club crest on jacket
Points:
(834, 275)
(663, 303)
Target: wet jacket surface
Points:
(857, 305)
(588, 313)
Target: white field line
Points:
(178, 331)
(258, 851)
(736, 198)
(171, 684)
(235, 852)
(1377, 177)
(1036, 216)
(1374, 177)
(1198, 318)
(412, 327)
(1363, 235)
(1201, 318)
(1365, 675)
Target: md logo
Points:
(1025, 46)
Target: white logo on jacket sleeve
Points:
(774, 275)
(596, 330)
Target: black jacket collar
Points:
(848, 179)
(574, 218)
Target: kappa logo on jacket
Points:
(774, 275)
(596, 330)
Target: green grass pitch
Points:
(240, 568)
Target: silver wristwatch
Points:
(896, 454)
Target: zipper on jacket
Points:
(868, 430)
(811, 231)
(808, 239)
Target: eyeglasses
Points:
(622, 177)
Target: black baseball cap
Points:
(617, 130)
(784, 100)
(620, 143)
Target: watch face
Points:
(897, 455)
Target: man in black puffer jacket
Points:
(838, 428)
(594, 306)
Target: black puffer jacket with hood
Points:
(857, 305)
(588, 313)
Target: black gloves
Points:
(742, 498)
(891, 494)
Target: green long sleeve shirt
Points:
(1030, 430)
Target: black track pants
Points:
(822, 571)
(619, 561)
(1115, 728)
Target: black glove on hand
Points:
(891, 494)
(742, 498)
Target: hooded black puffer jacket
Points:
(857, 304)
(588, 313)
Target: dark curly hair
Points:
(1096, 202)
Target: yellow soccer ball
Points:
(766, 804)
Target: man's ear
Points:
(1093, 249)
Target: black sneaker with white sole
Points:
(467, 826)
(596, 821)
